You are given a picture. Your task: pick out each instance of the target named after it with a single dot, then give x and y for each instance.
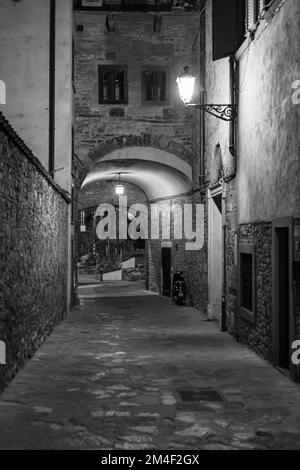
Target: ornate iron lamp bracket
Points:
(226, 112)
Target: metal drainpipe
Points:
(232, 149)
(232, 125)
(202, 64)
(224, 305)
(52, 41)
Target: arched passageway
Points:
(148, 173)
(160, 167)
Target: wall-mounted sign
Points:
(2, 353)
(92, 3)
(2, 92)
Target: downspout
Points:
(232, 149)
(224, 284)
(52, 41)
(202, 74)
(232, 124)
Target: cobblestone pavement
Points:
(107, 379)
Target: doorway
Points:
(283, 327)
(166, 262)
(215, 253)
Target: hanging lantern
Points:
(119, 189)
(186, 83)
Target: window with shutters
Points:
(113, 84)
(228, 27)
(253, 14)
(232, 21)
(154, 85)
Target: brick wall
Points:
(179, 255)
(133, 44)
(33, 245)
(102, 192)
(193, 262)
(168, 127)
(231, 266)
(198, 265)
(259, 336)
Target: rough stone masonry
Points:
(33, 261)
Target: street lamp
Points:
(119, 189)
(186, 84)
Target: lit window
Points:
(112, 84)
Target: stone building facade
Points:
(153, 131)
(135, 45)
(268, 183)
(251, 168)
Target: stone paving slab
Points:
(107, 379)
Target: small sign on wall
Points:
(92, 3)
(2, 92)
(2, 353)
(166, 244)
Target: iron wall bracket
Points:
(226, 112)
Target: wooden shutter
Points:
(228, 27)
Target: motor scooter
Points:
(178, 288)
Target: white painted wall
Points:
(130, 263)
(113, 276)
(268, 175)
(24, 66)
(215, 260)
(64, 94)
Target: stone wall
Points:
(231, 261)
(198, 266)
(103, 129)
(179, 255)
(133, 44)
(193, 262)
(259, 336)
(33, 244)
(101, 192)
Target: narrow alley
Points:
(109, 376)
(150, 227)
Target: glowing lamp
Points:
(119, 190)
(186, 84)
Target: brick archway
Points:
(160, 142)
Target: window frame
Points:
(153, 68)
(112, 68)
(248, 249)
(258, 9)
(266, 13)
